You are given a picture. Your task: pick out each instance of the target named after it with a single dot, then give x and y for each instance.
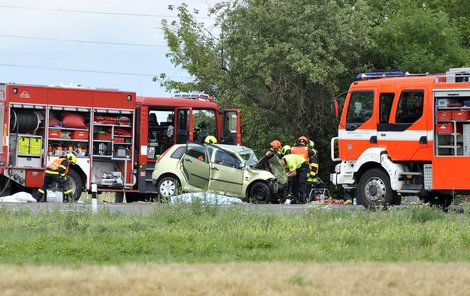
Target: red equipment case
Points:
(461, 115)
(444, 115)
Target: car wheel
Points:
(374, 189)
(167, 187)
(259, 193)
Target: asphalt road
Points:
(146, 208)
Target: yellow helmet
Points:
(71, 158)
(210, 140)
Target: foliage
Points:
(202, 233)
(282, 61)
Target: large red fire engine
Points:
(116, 135)
(405, 134)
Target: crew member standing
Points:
(297, 169)
(55, 173)
(314, 164)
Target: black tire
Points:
(119, 197)
(438, 199)
(5, 186)
(76, 183)
(259, 193)
(374, 190)
(168, 187)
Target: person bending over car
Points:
(297, 170)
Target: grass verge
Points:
(201, 234)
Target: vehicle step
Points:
(408, 191)
(410, 174)
(412, 187)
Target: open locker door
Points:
(231, 130)
(184, 125)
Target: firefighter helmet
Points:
(276, 144)
(210, 140)
(302, 139)
(71, 158)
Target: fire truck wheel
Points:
(374, 189)
(167, 187)
(76, 184)
(259, 193)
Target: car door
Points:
(226, 172)
(196, 166)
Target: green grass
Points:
(198, 233)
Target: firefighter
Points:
(305, 147)
(297, 169)
(274, 147)
(210, 140)
(55, 173)
(313, 164)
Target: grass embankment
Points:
(201, 234)
(240, 279)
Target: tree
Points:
(281, 61)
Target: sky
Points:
(36, 43)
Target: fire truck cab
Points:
(116, 135)
(404, 134)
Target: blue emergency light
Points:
(377, 75)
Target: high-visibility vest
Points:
(294, 161)
(300, 150)
(53, 167)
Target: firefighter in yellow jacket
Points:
(55, 173)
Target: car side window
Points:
(178, 152)
(226, 159)
(197, 152)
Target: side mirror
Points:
(334, 109)
(242, 165)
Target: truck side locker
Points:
(231, 127)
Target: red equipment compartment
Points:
(34, 178)
(445, 128)
(80, 135)
(102, 136)
(444, 115)
(54, 134)
(461, 115)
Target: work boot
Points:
(65, 198)
(40, 195)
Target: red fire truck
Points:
(116, 135)
(404, 134)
